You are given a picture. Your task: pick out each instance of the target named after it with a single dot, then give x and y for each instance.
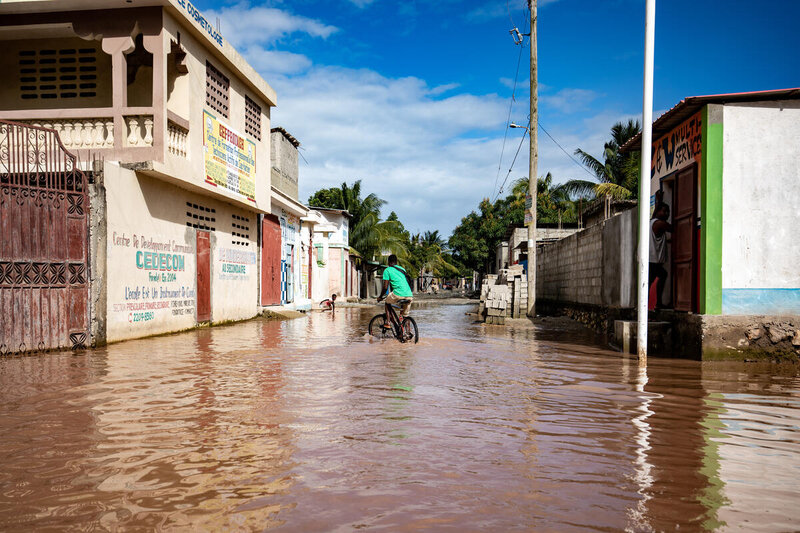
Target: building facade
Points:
(334, 267)
(171, 128)
(729, 168)
(288, 212)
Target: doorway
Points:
(203, 276)
(270, 260)
(684, 240)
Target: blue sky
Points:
(412, 96)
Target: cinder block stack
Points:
(497, 304)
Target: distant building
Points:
(334, 270)
(155, 228)
(287, 212)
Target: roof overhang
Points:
(287, 203)
(689, 106)
(334, 211)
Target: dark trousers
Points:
(657, 271)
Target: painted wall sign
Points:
(235, 265)
(198, 17)
(159, 284)
(230, 158)
(678, 149)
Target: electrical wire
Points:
(568, 154)
(513, 94)
(500, 191)
(508, 119)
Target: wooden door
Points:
(270, 260)
(203, 276)
(684, 222)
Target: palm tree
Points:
(554, 204)
(371, 237)
(618, 174)
(429, 255)
(359, 208)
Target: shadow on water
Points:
(310, 424)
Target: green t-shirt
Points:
(397, 281)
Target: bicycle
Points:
(403, 331)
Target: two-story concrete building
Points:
(155, 227)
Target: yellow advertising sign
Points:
(230, 158)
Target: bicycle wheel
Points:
(410, 330)
(376, 328)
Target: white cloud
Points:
(244, 26)
(274, 62)
(431, 151)
(569, 100)
(432, 158)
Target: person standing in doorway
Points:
(659, 227)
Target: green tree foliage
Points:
(475, 240)
(369, 235)
(348, 197)
(618, 174)
(428, 254)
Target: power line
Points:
(513, 92)
(500, 191)
(508, 120)
(568, 154)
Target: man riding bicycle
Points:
(395, 287)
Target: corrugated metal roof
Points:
(689, 106)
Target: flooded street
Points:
(309, 425)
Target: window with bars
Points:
(252, 118)
(200, 217)
(52, 73)
(240, 230)
(217, 89)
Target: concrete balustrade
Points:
(94, 133)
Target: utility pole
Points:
(644, 181)
(533, 130)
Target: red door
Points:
(270, 260)
(684, 221)
(203, 277)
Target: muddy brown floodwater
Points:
(309, 425)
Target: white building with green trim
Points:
(729, 167)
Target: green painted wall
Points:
(711, 212)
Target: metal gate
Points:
(44, 289)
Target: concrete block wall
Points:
(595, 266)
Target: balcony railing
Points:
(85, 131)
(76, 133)
(177, 138)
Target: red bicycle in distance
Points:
(389, 323)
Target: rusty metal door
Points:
(203, 276)
(270, 260)
(684, 221)
(44, 263)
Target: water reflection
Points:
(311, 425)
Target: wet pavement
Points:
(309, 425)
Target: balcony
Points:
(105, 98)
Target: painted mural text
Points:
(678, 149)
(156, 261)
